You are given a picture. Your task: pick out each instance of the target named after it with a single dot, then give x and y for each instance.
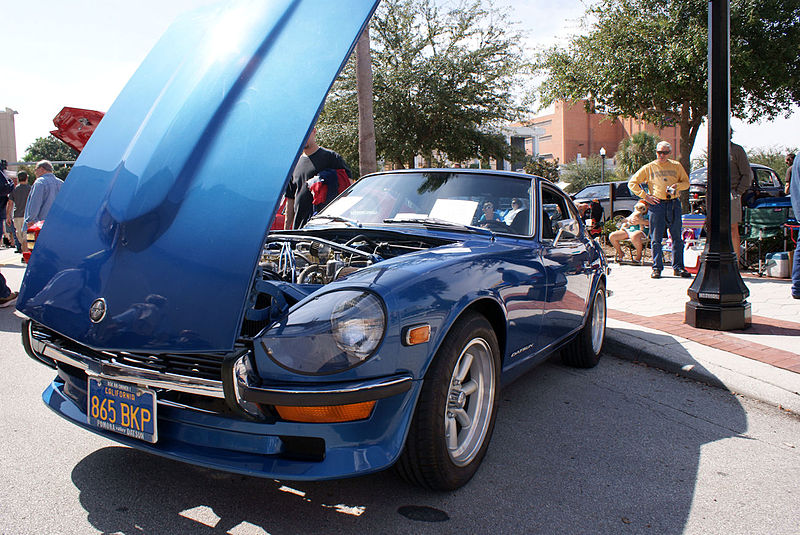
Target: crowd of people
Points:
(659, 183)
(24, 205)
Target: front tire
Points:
(584, 350)
(455, 414)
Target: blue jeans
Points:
(796, 270)
(666, 215)
(13, 230)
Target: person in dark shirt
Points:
(15, 211)
(299, 200)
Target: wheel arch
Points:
(489, 309)
(495, 315)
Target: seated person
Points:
(489, 213)
(516, 207)
(633, 228)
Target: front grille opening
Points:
(197, 365)
(303, 448)
(203, 366)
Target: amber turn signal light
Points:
(326, 414)
(418, 334)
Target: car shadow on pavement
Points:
(614, 449)
(9, 321)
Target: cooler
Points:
(778, 265)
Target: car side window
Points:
(763, 178)
(554, 209)
(623, 192)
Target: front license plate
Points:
(123, 408)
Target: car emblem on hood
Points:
(98, 310)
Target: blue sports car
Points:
(378, 335)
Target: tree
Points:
(443, 81)
(581, 174)
(541, 167)
(53, 149)
(774, 157)
(367, 156)
(634, 152)
(648, 59)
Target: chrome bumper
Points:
(319, 395)
(44, 348)
(242, 386)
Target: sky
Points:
(80, 53)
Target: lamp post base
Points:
(718, 318)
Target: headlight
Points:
(357, 324)
(329, 334)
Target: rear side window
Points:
(623, 192)
(765, 178)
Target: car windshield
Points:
(593, 192)
(698, 176)
(496, 202)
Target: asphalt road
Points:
(618, 449)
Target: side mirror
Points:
(567, 228)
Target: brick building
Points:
(571, 132)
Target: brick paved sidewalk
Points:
(773, 337)
(727, 341)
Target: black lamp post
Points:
(718, 294)
(602, 164)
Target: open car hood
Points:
(74, 126)
(162, 219)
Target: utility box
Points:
(778, 265)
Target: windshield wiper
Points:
(432, 222)
(338, 219)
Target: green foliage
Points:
(774, 157)
(648, 59)
(444, 76)
(611, 225)
(580, 175)
(634, 152)
(541, 167)
(53, 149)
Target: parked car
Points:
(624, 200)
(766, 183)
(380, 334)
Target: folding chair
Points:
(695, 223)
(761, 224)
(693, 245)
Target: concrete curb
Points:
(705, 364)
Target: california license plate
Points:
(122, 408)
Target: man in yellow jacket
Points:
(658, 183)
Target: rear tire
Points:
(584, 350)
(455, 413)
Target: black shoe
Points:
(682, 273)
(656, 274)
